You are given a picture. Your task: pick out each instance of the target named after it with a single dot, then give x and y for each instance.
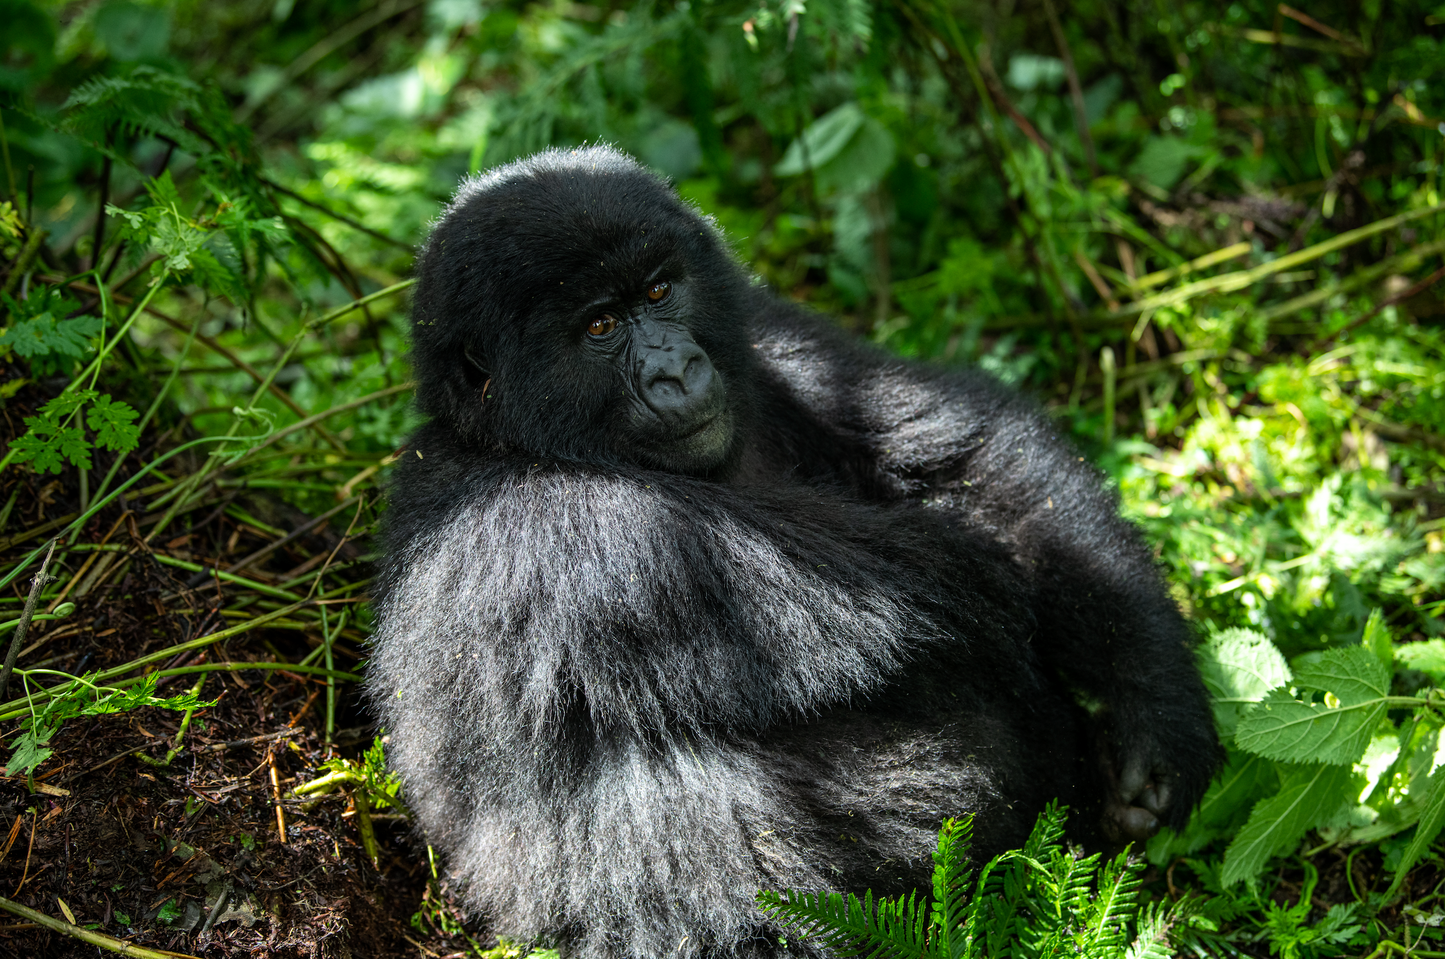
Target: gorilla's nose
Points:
(677, 380)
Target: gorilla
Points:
(685, 593)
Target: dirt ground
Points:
(189, 856)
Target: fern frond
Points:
(1157, 919)
(952, 877)
(847, 926)
(1116, 903)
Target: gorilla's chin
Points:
(698, 452)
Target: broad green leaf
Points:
(1432, 818)
(1310, 795)
(824, 139)
(1239, 667)
(1337, 730)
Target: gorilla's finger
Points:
(1156, 796)
(1132, 779)
(1134, 823)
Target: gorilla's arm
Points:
(646, 601)
(962, 442)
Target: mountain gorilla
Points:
(688, 594)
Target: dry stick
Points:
(99, 939)
(36, 585)
(1076, 92)
(1299, 16)
(276, 795)
(301, 530)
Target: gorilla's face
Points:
(673, 405)
(572, 306)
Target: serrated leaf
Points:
(112, 422)
(40, 450)
(1239, 667)
(74, 446)
(45, 335)
(1309, 796)
(65, 404)
(1428, 656)
(1432, 818)
(1337, 730)
(30, 751)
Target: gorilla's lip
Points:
(684, 437)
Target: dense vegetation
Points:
(1211, 237)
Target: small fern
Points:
(1037, 902)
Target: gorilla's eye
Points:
(603, 325)
(659, 291)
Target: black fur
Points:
(622, 699)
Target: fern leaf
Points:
(847, 926)
(1114, 906)
(951, 880)
(1152, 942)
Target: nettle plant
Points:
(1319, 743)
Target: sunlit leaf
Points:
(1309, 796)
(1338, 729)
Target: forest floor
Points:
(123, 843)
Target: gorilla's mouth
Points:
(696, 448)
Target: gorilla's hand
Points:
(1156, 768)
(1138, 798)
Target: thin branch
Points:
(18, 641)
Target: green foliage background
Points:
(1208, 235)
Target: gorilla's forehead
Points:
(593, 218)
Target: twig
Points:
(222, 899)
(1429, 281)
(337, 216)
(99, 939)
(36, 585)
(276, 795)
(301, 530)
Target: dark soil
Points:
(189, 856)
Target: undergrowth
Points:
(1208, 236)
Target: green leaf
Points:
(40, 450)
(44, 335)
(65, 404)
(111, 421)
(1432, 818)
(1427, 656)
(74, 446)
(1309, 796)
(823, 140)
(1338, 730)
(1377, 639)
(30, 751)
(1239, 666)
